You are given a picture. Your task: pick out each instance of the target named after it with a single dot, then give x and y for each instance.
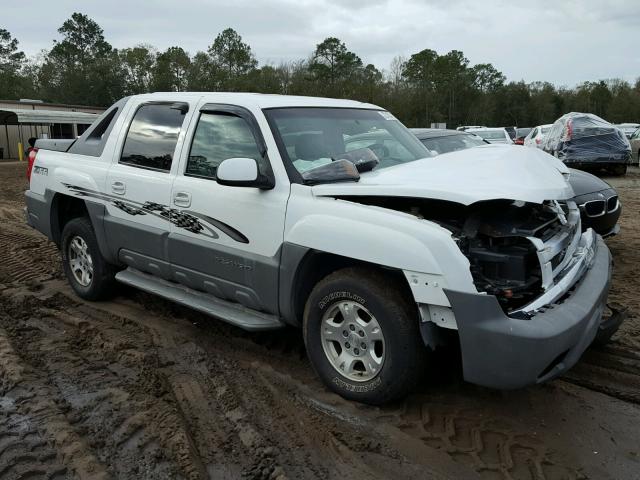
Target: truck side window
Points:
(220, 136)
(152, 137)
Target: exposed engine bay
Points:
(516, 250)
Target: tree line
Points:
(83, 68)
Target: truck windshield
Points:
(314, 137)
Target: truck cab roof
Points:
(260, 100)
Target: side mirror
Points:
(242, 172)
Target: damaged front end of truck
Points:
(541, 285)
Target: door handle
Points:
(182, 199)
(118, 188)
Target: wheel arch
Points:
(67, 207)
(302, 268)
(63, 209)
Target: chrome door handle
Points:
(118, 188)
(182, 199)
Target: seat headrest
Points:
(311, 146)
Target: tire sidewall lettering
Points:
(357, 387)
(329, 299)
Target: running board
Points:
(229, 312)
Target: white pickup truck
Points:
(266, 211)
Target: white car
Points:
(492, 135)
(329, 215)
(629, 128)
(536, 136)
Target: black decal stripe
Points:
(223, 227)
(185, 219)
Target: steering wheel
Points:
(379, 149)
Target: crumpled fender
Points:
(361, 240)
(421, 249)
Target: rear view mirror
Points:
(242, 172)
(364, 159)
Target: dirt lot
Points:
(139, 388)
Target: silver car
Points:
(492, 135)
(635, 147)
(629, 129)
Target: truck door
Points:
(228, 241)
(139, 185)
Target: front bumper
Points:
(502, 352)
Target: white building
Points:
(23, 119)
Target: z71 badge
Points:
(41, 171)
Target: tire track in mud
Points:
(613, 370)
(238, 421)
(124, 389)
(229, 400)
(116, 407)
(30, 415)
(487, 445)
(11, 212)
(344, 442)
(25, 255)
(127, 388)
(206, 404)
(24, 453)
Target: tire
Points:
(618, 170)
(101, 283)
(375, 299)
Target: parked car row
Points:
(598, 201)
(582, 140)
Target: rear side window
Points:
(98, 132)
(94, 138)
(152, 137)
(220, 136)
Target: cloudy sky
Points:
(562, 41)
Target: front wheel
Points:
(88, 273)
(362, 336)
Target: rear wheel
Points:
(90, 276)
(362, 336)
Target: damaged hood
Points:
(488, 172)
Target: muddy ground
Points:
(139, 388)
